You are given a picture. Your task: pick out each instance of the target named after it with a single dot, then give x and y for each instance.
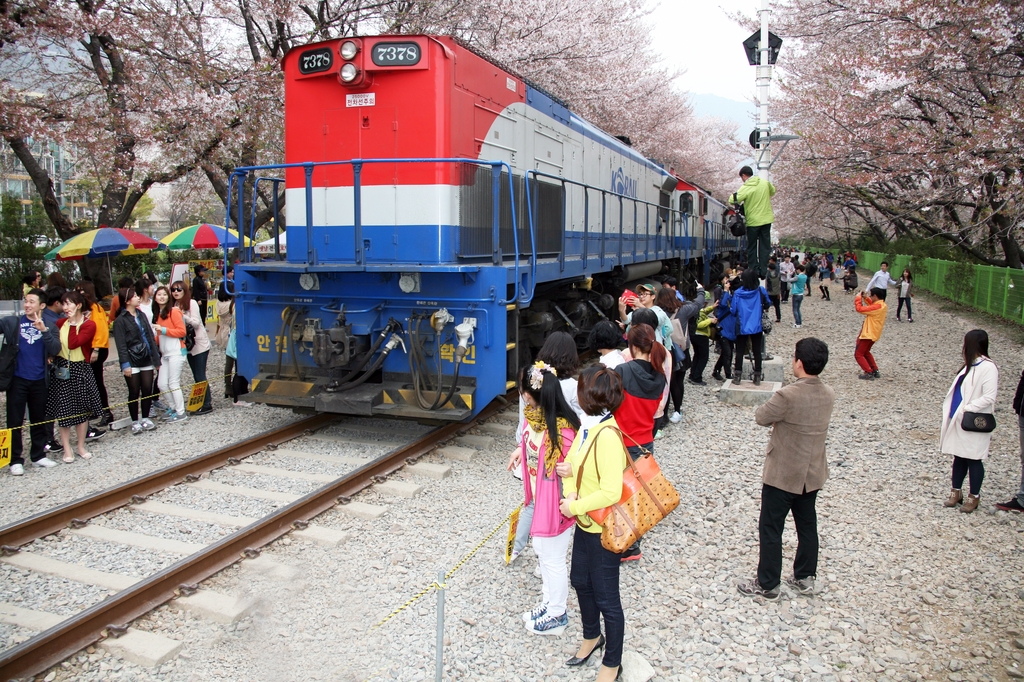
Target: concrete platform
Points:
(747, 393)
(774, 369)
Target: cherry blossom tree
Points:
(909, 112)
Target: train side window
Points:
(686, 203)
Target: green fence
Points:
(999, 291)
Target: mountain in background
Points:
(742, 113)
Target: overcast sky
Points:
(701, 39)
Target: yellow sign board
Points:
(198, 395)
(5, 447)
(513, 524)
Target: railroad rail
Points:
(111, 616)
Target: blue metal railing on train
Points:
(241, 173)
(585, 252)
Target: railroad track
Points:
(111, 616)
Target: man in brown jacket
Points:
(795, 469)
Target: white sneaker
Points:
(675, 417)
(147, 424)
(17, 470)
(136, 428)
(242, 403)
(44, 463)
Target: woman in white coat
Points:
(973, 390)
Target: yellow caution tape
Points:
(434, 585)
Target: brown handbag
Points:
(647, 498)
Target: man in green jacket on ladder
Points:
(756, 197)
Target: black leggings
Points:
(140, 384)
(725, 357)
(756, 346)
(97, 372)
(701, 349)
(962, 466)
(229, 372)
(677, 386)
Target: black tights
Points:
(725, 358)
(756, 347)
(140, 384)
(97, 373)
(677, 386)
(229, 373)
(962, 466)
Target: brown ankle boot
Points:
(955, 498)
(971, 503)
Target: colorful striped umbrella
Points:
(202, 236)
(104, 241)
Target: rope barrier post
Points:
(439, 665)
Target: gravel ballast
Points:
(907, 589)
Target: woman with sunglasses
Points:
(169, 328)
(200, 353)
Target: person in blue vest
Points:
(30, 340)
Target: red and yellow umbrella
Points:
(203, 236)
(104, 241)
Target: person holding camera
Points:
(756, 196)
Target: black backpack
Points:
(735, 221)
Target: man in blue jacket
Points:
(31, 341)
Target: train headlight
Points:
(349, 72)
(349, 50)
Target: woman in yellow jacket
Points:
(100, 345)
(596, 459)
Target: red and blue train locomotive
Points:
(444, 216)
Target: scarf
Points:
(535, 418)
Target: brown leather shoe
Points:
(971, 503)
(955, 498)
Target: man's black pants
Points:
(775, 507)
(31, 394)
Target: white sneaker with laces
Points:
(136, 428)
(147, 424)
(675, 417)
(17, 470)
(44, 463)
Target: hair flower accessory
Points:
(537, 374)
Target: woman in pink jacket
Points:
(549, 428)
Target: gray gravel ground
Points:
(907, 589)
(120, 457)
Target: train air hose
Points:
(288, 316)
(421, 379)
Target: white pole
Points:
(764, 79)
